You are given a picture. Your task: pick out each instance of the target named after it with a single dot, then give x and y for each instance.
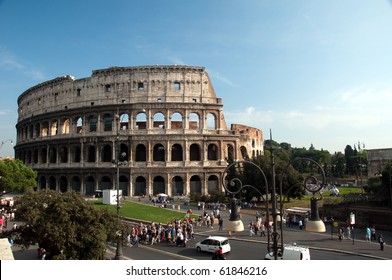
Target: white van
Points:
(291, 252)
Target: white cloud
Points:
(218, 76)
(352, 115)
(9, 62)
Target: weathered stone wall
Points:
(163, 124)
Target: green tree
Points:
(65, 224)
(15, 176)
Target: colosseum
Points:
(153, 129)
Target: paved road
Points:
(322, 242)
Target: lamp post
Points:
(118, 157)
(5, 141)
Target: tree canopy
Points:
(65, 224)
(15, 176)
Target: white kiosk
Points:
(109, 196)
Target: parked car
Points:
(212, 243)
(291, 252)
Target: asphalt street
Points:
(315, 241)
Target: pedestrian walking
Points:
(381, 241)
(373, 233)
(367, 234)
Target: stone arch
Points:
(212, 152)
(194, 152)
(75, 184)
(141, 153)
(213, 184)
(124, 183)
(93, 123)
(140, 186)
(52, 183)
(52, 155)
(63, 184)
(106, 183)
(91, 154)
(79, 125)
(244, 152)
(159, 120)
(141, 120)
(66, 126)
(177, 186)
(176, 121)
(158, 185)
(89, 185)
(211, 121)
(195, 184)
(44, 155)
(106, 154)
(230, 152)
(63, 154)
(42, 183)
(176, 153)
(107, 122)
(158, 153)
(194, 121)
(124, 121)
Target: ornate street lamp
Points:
(234, 186)
(5, 141)
(119, 161)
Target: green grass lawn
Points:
(144, 212)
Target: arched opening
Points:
(124, 183)
(159, 120)
(140, 186)
(93, 123)
(63, 184)
(141, 153)
(244, 152)
(42, 183)
(141, 121)
(52, 155)
(211, 121)
(159, 153)
(75, 184)
(177, 186)
(176, 152)
(158, 185)
(195, 184)
(65, 127)
(176, 121)
(213, 184)
(91, 156)
(107, 122)
(106, 155)
(194, 152)
(77, 154)
(124, 121)
(63, 154)
(230, 152)
(43, 155)
(89, 185)
(106, 183)
(212, 152)
(194, 121)
(52, 183)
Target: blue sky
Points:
(314, 72)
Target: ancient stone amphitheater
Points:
(153, 129)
